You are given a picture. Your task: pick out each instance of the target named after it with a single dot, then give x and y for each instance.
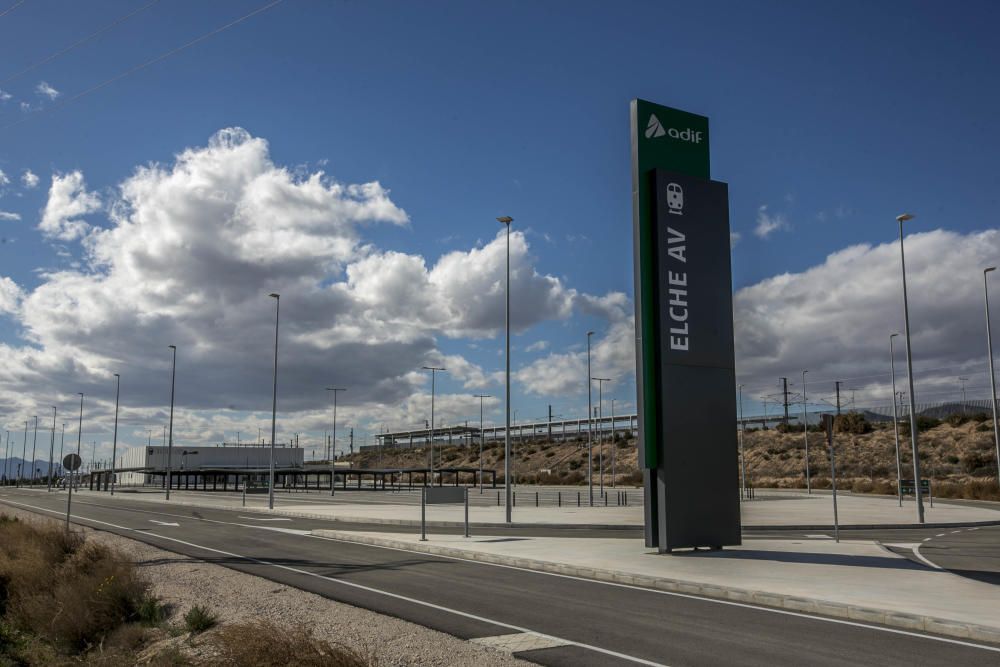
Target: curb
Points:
(895, 619)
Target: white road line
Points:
(730, 603)
(369, 589)
(920, 557)
(164, 523)
(940, 534)
(257, 518)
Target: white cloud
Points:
(45, 90)
(10, 295)
(9, 217)
(768, 223)
(4, 95)
(4, 180)
(68, 201)
(537, 346)
(29, 179)
(734, 238)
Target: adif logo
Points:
(655, 129)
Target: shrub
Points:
(265, 644)
(851, 422)
(198, 619)
(956, 420)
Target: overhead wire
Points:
(11, 8)
(77, 44)
(148, 63)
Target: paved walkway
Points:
(856, 579)
(770, 508)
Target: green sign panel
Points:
(671, 140)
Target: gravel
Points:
(182, 582)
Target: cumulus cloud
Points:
(45, 90)
(836, 317)
(4, 179)
(29, 179)
(768, 223)
(188, 253)
(734, 238)
(4, 95)
(10, 217)
(68, 201)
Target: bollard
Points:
(423, 514)
(536, 498)
(498, 499)
(560, 498)
(244, 496)
(605, 500)
(513, 499)
(577, 498)
(467, 513)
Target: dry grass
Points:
(265, 644)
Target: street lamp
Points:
(965, 404)
(600, 427)
(433, 370)
(170, 441)
(79, 442)
(805, 433)
(506, 220)
(993, 381)
(52, 447)
(6, 462)
(481, 397)
(909, 373)
(333, 440)
(34, 451)
(114, 443)
(274, 400)
(895, 420)
(590, 425)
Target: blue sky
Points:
(833, 116)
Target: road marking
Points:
(920, 556)
(164, 523)
(819, 537)
(351, 584)
(689, 596)
(518, 642)
(256, 518)
(940, 534)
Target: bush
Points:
(265, 644)
(198, 619)
(851, 422)
(956, 420)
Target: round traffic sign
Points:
(72, 462)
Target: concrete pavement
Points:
(587, 622)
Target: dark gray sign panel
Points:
(697, 491)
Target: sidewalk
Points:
(858, 580)
(769, 509)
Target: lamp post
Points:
(590, 425)
(895, 420)
(114, 442)
(170, 440)
(6, 462)
(34, 451)
(24, 454)
(614, 446)
(909, 373)
(965, 404)
(805, 433)
(993, 380)
(481, 397)
(62, 444)
(433, 370)
(506, 220)
(333, 438)
(52, 448)
(79, 443)
(274, 401)
(600, 427)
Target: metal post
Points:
(466, 512)
(52, 448)
(34, 450)
(170, 441)
(79, 437)
(590, 425)
(600, 425)
(423, 514)
(909, 372)
(433, 370)
(114, 444)
(6, 462)
(506, 221)
(805, 430)
(24, 455)
(481, 397)
(743, 460)
(614, 445)
(62, 444)
(833, 474)
(993, 379)
(895, 420)
(274, 401)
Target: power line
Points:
(148, 63)
(79, 43)
(11, 8)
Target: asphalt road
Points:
(602, 624)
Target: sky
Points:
(353, 157)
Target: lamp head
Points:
(904, 217)
(992, 268)
(505, 219)
(891, 336)
(274, 296)
(172, 347)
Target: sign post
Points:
(72, 463)
(685, 370)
